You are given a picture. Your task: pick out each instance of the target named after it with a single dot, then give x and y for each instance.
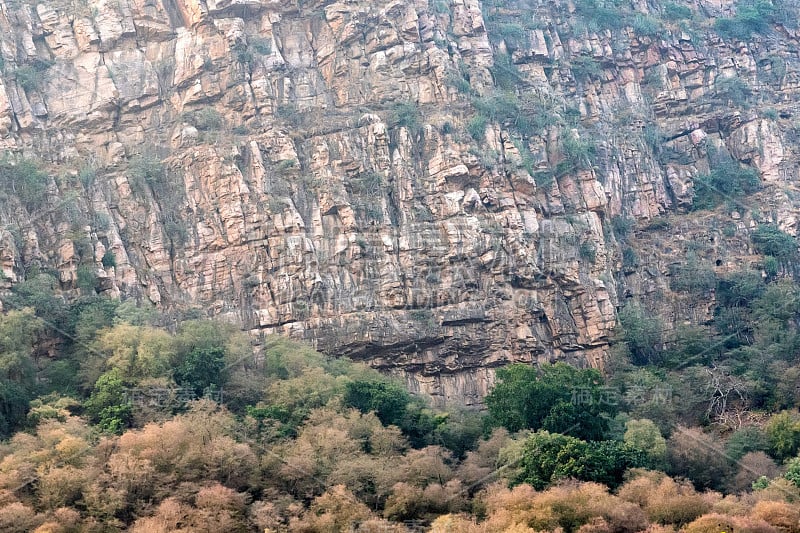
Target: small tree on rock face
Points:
(642, 333)
(771, 241)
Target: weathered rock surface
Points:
(318, 180)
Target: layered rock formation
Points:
(315, 168)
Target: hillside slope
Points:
(437, 188)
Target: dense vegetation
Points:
(119, 423)
(119, 418)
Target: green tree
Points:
(24, 179)
(19, 331)
(783, 433)
(559, 398)
(549, 457)
(387, 400)
(642, 333)
(108, 406)
(771, 241)
(793, 471)
(746, 440)
(38, 292)
(202, 349)
(644, 436)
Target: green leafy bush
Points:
(601, 14)
(108, 406)
(31, 77)
(206, 119)
(646, 25)
(549, 457)
(674, 11)
(588, 252)
(407, 115)
(643, 333)
(771, 241)
(505, 73)
(108, 259)
(585, 68)
(728, 180)
(557, 398)
(734, 89)
(476, 127)
(578, 154)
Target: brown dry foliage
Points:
(665, 500)
(717, 523)
(783, 516)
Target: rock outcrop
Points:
(316, 168)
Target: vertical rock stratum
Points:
(437, 188)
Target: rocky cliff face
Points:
(438, 188)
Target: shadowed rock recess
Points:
(437, 188)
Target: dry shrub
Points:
(428, 465)
(18, 518)
(450, 497)
(639, 487)
(779, 490)
(576, 504)
(379, 525)
(61, 486)
(219, 509)
(405, 501)
(711, 523)
(626, 517)
(169, 515)
(733, 505)
(49, 527)
(506, 508)
(481, 464)
(217, 497)
(450, 523)
(266, 515)
(752, 466)
(67, 517)
(666, 501)
(748, 524)
(596, 525)
(336, 510)
(783, 516)
(659, 528)
(569, 506)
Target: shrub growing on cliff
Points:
(578, 154)
(600, 14)
(771, 241)
(752, 16)
(407, 115)
(477, 127)
(31, 77)
(25, 180)
(585, 68)
(642, 333)
(728, 180)
(505, 73)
